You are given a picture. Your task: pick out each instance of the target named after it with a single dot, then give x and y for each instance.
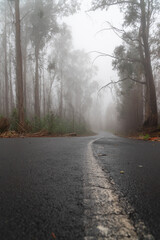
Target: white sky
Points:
(85, 27)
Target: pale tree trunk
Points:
(1, 89)
(25, 73)
(6, 69)
(61, 97)
(10, 78)
(151, 114)
(44, 96)
(52, 78)
(19, 73)
(139, 105)
(36, 85)
(36, 94)
(40, 88)
(73, 120)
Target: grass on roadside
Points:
(48, 125)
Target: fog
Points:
(90, 32)
(70, 66)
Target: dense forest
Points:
(136, 61)
(45, 84)
(48, 85)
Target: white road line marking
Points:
(104, 216)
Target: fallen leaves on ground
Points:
(13, 134)
(152, 139)
(9, 134)
(53, 235)
(42, 133)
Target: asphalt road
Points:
(41, 188)
(140, 182)
(51, 188)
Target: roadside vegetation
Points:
(137, 61)
(50, 125)
(47, 87)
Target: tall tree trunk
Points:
(19, 74)
(6, 70)
(3, 104)
(10, 76)
(152, 115)
(36, 95)
(52, 78)
(44, 96)
(49, 96)
(1, 88)
(61, 96)
(25, 73)
(40, 88)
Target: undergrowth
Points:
(51, 123)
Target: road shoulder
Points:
(105, 214)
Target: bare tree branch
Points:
(135, 80)
(25, 15)
(115, 28)
(112, 4)
(11, 9)
(128, 59)
(121, 80)
(122, 31)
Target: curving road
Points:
(134, 166)
(53, 188)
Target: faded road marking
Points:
(104, 216)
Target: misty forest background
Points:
(47, 85)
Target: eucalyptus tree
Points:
(139, 18)
(5, 20)
(130, 88)
(72, 71)
(26, 10)
(19, 71)
(60, 61)
(44, 23)
(78, 88)
(41, 23)
(6, 65)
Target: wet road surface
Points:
(41, 188)
(134, 166)
(54, 187)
